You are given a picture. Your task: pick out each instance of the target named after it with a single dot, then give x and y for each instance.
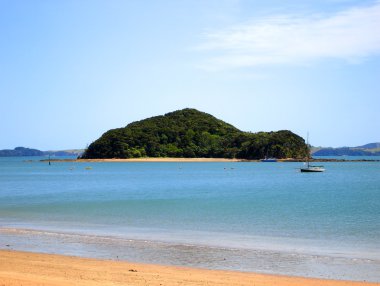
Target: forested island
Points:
(189, 133)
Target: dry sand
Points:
(25, 268)
(150, 159)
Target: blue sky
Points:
(71, 70)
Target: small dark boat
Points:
(269, 160)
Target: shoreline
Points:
(27, 268)
(279, 258)
(194, 160)
(151, 159)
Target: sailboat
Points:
(309, 168)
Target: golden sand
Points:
(151, 159)
(27, 269)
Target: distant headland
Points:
(371, 149)
(26, 152)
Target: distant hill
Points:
(370, 146)
(73, 152)
(190, 133)
(371, 149)
(22, 151)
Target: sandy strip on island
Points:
(25, 268)
(159, 159)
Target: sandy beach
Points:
(150, 159)
(25, 268)
(194, 160)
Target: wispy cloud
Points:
(351, 35)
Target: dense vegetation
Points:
(191, 133)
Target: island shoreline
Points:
(195, 160)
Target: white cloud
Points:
(350, 35)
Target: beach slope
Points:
(25, 268)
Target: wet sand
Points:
(25, 268)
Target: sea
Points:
(243, 216)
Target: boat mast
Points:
(308, 148)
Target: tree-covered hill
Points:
(190, 133)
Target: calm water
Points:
(262, 217)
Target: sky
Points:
(71, 70)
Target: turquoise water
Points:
(262, 217)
